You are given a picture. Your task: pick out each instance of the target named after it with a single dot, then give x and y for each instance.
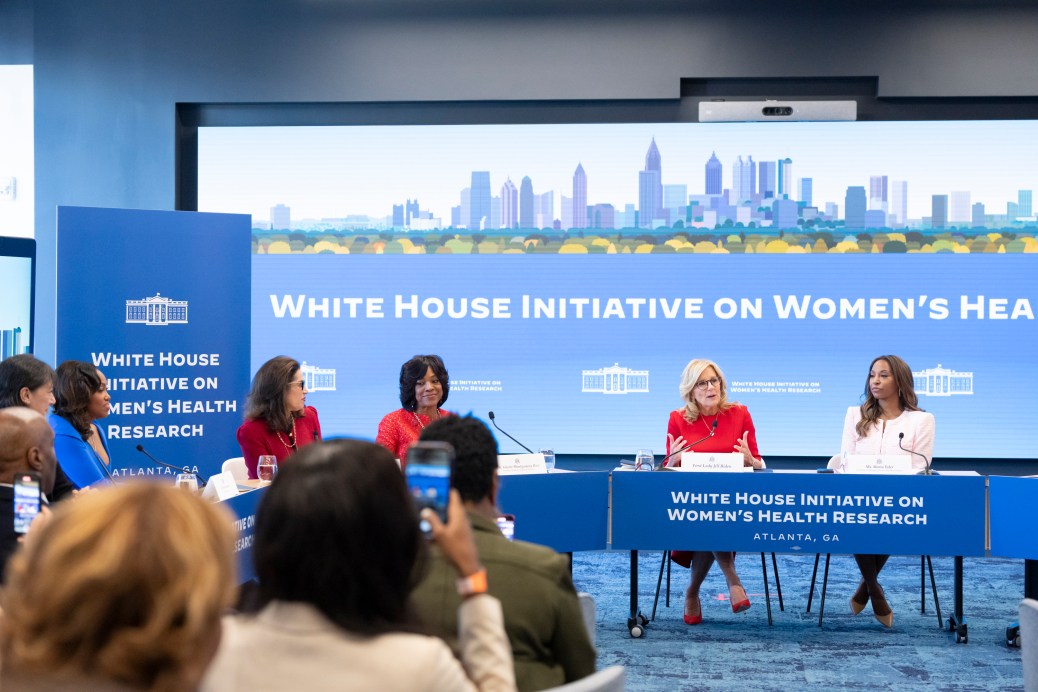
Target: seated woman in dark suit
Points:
(277, 419)
(888, 422)
(710, 423)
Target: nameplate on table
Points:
(878, 463)
(520, 464)
(221, 486)
(721, 461)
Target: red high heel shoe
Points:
(694, 619)
(741, 605)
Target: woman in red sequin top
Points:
(424, 385)
(277, 419)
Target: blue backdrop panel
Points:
(159, 301)
(1012, 515)
(789, 512)
(565, 511)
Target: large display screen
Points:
(567, 273)
(17, 264)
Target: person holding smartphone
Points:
(27, 467)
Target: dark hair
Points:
(22, 371)
(266, 400)
(338, 530)
(414, 370)
(475, 454)
(906, 396)
(77, 381)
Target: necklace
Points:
(710, 426)
(419, 420)
(291, 436)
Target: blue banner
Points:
(564, 511)
(1013, 524)
(244, 508)
(159, 302)
(791, 512)
(584, 353)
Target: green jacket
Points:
(550, 643)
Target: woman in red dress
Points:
(424, 385)
(710, 423)
(277, 419)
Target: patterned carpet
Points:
(741, 652)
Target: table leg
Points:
(957, 622)
(636, 622)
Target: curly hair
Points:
(414, 370)
(77, 381)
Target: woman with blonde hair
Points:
(708, 422)
(122, 589)
(889, 421)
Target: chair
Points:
(237, 468)
(587, 609)
(611, 679)
(1029, 643)
(764, 571)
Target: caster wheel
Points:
(642, 620)
(636, 632)
(962, 635)
(1016, 642)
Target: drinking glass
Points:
(644, 460)
(549, 459)
(187, 481)
(267, 467)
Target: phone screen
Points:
(506, 522)
(26, 501)
(429, 477)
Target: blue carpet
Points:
(740, 651)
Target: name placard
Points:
(221, 486)
(878, 463)
(520, 464)
(721, 461)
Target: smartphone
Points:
(506, 522)
(428, 475)
(26, 500)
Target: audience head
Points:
(26, 445)
(81, 395)
(338, 530)
(125, 585)
(277, 395)
(698, 370)
(475, 455)
(25, 380)
(412, 372)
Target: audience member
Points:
(26, 446)
(336, 548)
(122, 589)
(81, 399)
(550, 643)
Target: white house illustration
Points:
(942, 382)
(614, 380)
(318, 379)
(156, 311)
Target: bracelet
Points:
(473, 584)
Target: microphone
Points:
(713, 429)
(491, 414)
(181, 469)
(927, 471)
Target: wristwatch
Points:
(473, 584)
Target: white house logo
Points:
(318, 379)
(614, 380)
(156, 311)
(942, 382)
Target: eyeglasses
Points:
(298, 383)
(712, 382)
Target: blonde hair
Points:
(126, 584)
(690, 376)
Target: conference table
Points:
(243, 506)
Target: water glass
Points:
(549, 459)
(267, 467)
(187, 481)
(644, 460)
